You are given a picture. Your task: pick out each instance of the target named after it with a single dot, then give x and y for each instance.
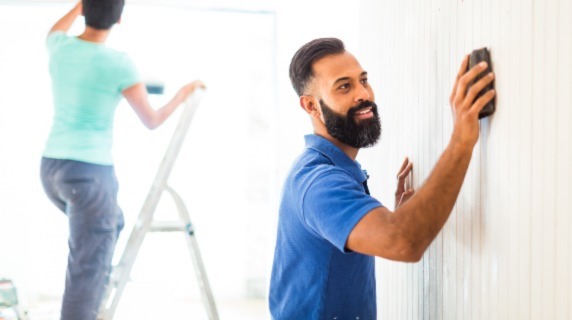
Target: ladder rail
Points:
(202, 280)
(120, 273)
(177, 140)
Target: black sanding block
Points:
(477, 56)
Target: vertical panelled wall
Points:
(506, 250)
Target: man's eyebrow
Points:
(348, 78)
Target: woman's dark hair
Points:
(301, 65)
(102, 14)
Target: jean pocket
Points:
(79, 193)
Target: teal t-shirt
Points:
(87, 81)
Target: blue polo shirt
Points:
(314, 276)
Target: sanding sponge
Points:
(477, 56)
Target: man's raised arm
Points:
(405, 234)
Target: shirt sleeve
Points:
(333, 204)
(54, 39)
(128, 74)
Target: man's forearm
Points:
(67, 20)
(426, 212)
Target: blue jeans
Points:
(87, 194)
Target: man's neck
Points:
(94, 35)
(351, 152)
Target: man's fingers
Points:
(478, 87)
(403, 174)
(400, 188)
(466, 79)
(405, 162)
(460, 73)
(406, 195)
(402, 178)
(483, 100)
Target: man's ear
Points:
(310, 105)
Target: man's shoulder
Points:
(312, 162)
(312, 166)
(318, 162)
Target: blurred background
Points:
(229, 170)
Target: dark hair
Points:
(301, 66)
(102, 14)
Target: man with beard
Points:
(329, 227)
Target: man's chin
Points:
(366, 122)
(372, 144)
(372, 137)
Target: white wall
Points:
(506, 250)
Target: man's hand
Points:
(465, 108)
(404, 190)
(406, 233)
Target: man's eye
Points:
(344, 86)
(364, 81)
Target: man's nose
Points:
(362, 94)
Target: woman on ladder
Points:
(88, 81)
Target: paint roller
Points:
(154, 87)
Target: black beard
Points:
(364, 134)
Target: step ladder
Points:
(146, 223)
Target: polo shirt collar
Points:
(336, 155)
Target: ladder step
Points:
(168, 226)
